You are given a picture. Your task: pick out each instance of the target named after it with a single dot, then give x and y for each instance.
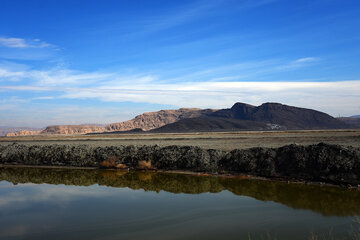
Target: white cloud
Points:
(332, 97)
(12, 42)
(10, 74)
(306, 60)
(218, 87)
(42, 98)
(335, 98)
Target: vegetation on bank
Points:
(321, 162)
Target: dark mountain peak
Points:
(241, 110)
(242, 105)
(273, 106)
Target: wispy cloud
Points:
(332, 97)
(62, 78)
(194, 11)
(307, 60)
(9, 74)
(12, 42)
(217, 87)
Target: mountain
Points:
(210, 124)
(352, 121)
(5, 130)
(241, 116)
(72, 129)
(355, 116)
(283, 115)
(268, 116)
(144, 122)
(60, 129)
(152, 120)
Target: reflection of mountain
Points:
(321, 199)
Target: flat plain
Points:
(207, 140)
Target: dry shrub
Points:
(144, 165)
(110, 163)
(121, 166)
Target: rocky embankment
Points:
(322, 162)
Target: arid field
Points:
(223, 141)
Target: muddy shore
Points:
(321, 162)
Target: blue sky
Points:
(71, 62)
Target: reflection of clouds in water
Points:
(23, 195)
(14, 231)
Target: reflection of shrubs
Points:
(145, 176)
(144, 165)
(110, 163)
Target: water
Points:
(40, 203)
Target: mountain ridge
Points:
(241, 116)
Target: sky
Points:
(80, 62)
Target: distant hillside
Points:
(6, 130)
(241, 116)
(268, 116)
(59, 129)
(144, 122)
(287, 116)
(211, 124)
(352, 121)
(355, 116)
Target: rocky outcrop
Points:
(152, 120)
(321, 162)
(6, 130)
(60, 130)
(143, 122)
(72, 129)
(23, 133)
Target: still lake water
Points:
(41, 203)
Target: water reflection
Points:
(328, 201)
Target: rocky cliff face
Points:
(72, 129)
(152, 120)
(22, 133)
(6, 130)
(145, 122)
